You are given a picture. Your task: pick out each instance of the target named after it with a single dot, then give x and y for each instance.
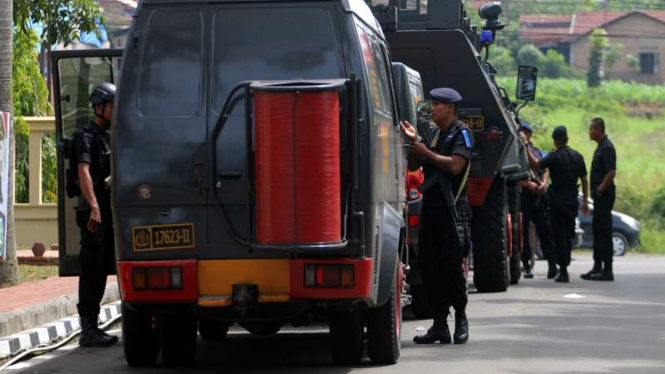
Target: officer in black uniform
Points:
(566, 167)
(603, 171)
(444, 228)
(535, 209)
(93, 216)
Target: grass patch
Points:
(652, 237)
(30, 273)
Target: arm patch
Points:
(467, 139)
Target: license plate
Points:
(163, 237)
(475, 123)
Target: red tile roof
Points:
(547, 28)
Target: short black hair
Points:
(599, 123)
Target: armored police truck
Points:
(257, 174)
(436, 38)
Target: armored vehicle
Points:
(436, 39)
(258, 174)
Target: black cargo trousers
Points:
(442, 266)
(539, 215)
(603, 246)
(96, 259)
(563, 227)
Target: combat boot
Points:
(562, 276)
(597, 266)
(439, 332)
(461, 328)
(605, 275)
(551, 270)
(90, 337)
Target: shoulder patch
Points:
(467, 138)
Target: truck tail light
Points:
(329, 276)
(414, 220)
(157, 278)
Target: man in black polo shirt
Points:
(603, 171)
(566, 167)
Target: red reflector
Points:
(329, 275)
(414, 220)
(157, 278)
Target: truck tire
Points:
(179, 339)
(211, 330)
(140, 336)
(384, 326)
(419, 304)
(263, 328)
(346, 338)
(490, 256)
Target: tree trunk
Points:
(9, 273)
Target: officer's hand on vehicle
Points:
(95, 219)
(418, 149)
(409, 130)
(585, 208)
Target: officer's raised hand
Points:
(409, 130)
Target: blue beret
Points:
(445, 95)
(559, 132)
(527, 127)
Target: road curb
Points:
(61, 307)
(50, 333)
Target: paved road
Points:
(536, 327)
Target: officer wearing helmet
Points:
(444, 236)
(93, 215)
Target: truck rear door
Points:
(75, 75)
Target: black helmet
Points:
(102, 93)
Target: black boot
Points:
(90, 337)
(461, 328)
(527, 271)
(551, 270)
(597, 266)
(437, 333)
(605, 275)
(562, 275)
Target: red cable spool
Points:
(298, 199)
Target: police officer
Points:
(444, 231)
(93, 216)
(603, 171)
(566, 167)
(535, 209)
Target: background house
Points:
(642, 34)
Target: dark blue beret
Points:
(559, 132)
(526, 126)
(445, 95)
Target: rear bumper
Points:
(209, 283)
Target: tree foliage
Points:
(529, 54)
(503, 61)
(63, 20)
(613, 55)
(597, 51)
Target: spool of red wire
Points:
(298, 199)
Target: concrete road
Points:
(536, 327)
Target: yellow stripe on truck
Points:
(217, 277)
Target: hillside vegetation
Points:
(635, 118)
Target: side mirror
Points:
(424, 111)
(527, 79)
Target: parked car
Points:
(625, 230)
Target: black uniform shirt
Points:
(453, 142)
(538, 154)
(566, 167)
(97, 153)
(604, 161)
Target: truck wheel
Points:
(384, 326)
(346, 338)
(213, 330)
(419, 305)
(264, 328)
(179, 339)
(490, 265)
(140, 336)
